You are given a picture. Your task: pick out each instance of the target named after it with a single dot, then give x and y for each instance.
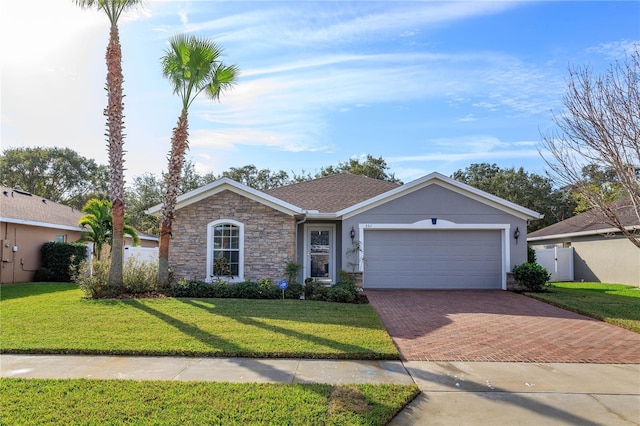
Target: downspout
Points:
(298, 223)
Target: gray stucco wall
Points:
(436, 201)
(598, 258)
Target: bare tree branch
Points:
(601, 126)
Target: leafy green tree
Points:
(372, 167)
(597, 179)
(529, 190)
(99, 221)
(59, 174)
(115, 125)
(193, 66)
(257, 178)
(146, 191)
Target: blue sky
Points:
(429, 86)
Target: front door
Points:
(320, 254)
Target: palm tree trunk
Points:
(114, 114)
(179, 145)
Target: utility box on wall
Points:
(6, 250)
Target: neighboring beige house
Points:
(601, 252)
(28, 221)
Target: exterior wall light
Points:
(516, 234)
(352, 234)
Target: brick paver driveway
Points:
(497, 326)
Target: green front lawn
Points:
(55, 318)
(98, 402)
(613, 303)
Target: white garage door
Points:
(431, 259)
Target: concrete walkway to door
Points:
(498, 326)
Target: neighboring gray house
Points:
(432, 233)
(600, 252)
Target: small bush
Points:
(319, 292)
(294, 290)
(531, 255)
(532, 276)
(244, 290)
(139, 277)
(343, 293)
(92, 278)
(43, 275)
(192, 288)
(268, 290)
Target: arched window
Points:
(225, 250)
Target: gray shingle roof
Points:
(333, 193)
(18, 205)
(592, 220)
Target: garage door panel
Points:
(433, 259)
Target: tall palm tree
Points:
(115, 124)
(98, 219)
(193, 66)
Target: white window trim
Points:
(425, 225)
(210, 229)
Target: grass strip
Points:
(98, 402)
(613, 303)
(54, 318)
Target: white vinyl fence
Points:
(558, 261)
(143, 254)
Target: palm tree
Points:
(193, 66)
(115, 124)
(98, 218)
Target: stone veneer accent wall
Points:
(269, 237)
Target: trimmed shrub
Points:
(43, 275)
(265, 289)
(244, 290)
(532, 276)
(191, 288)
(60, 258)
(343, 293)
(268, 290)
(531, 255)
(294, 290)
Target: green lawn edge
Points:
(615, 304)
(83, 401)
(55, 318)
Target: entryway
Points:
(320, 253)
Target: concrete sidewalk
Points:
(462, 393)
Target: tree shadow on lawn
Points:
(312, 312)
(19, 290)
(343, 350)
(226, 347)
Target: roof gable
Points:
(25, 208)
(448, 183)
(333, 193)
(226, 184)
